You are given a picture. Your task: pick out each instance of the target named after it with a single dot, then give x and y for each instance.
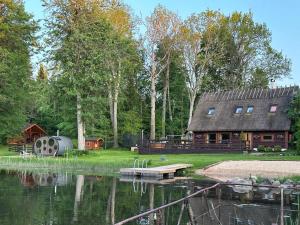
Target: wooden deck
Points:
(160, 172)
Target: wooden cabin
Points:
(252, 117)
(93, 143)
(29, 134)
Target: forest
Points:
(106, 72)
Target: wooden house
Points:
(251, 117)
(92, 143)
(28, 135)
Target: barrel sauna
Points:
(52, 146)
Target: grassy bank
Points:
(110, 161)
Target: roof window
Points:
(250, 109)
(211, 111)
(239, 109)
(273, 108)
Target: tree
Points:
(77, 33)
(162, 25)
(121, 58)
(294, 115)
(197, 41)
(17, 39)
(248, 57)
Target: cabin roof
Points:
(31, 125)
(225, 103)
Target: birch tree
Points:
(196, 41)
(121, 56)
(162, 25)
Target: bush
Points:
(277, 148)
(268, 149)
(261, 148)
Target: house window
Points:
(273, 108)
(225, 138)
(267, 137)
(239, 109)
(211, 111)
(211, 138)
(250, 109)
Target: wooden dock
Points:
(151, 180)
(160, 172)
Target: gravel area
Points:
(231, 169)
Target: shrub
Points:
(277, 148)
(268, 149)
(261, 148)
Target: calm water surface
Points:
(60, 199)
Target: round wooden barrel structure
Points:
(52, 146)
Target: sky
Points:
(282, 17)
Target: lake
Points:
(48, 199)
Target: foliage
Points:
(294, 114)
(277, 148)
(17, 38)
(246, 56)
(261, 148)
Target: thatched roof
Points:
(225, 103)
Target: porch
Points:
(188, 146)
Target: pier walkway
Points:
(160, 172)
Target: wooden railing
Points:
(20, 148)
(186, 146)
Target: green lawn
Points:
(4, 151)
(109, 161)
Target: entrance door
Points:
(249, 140)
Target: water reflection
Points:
(48, 198)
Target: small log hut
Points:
(93, 143)
(29, 134)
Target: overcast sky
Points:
(281, 16)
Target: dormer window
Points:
(211, 111)
(250, 109)
(238, 109)
(273, 108)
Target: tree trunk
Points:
(115, 119)
(80, 125)
(169, 103)
(192, 103)
(164, 107)
(153, 98)
(110, 101)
